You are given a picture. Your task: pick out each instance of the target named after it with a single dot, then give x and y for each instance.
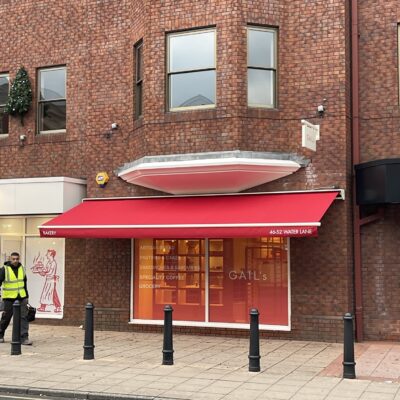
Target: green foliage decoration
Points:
(20, 96)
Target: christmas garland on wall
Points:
(20, 96)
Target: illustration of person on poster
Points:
(49, 296)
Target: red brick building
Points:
(191, 85)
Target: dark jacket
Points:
(15, 269)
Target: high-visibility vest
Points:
(13, 285)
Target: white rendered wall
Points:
(40, 195)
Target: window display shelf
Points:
(179, 268)
(178, 271)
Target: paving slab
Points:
(128, 365)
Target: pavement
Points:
(128, 365)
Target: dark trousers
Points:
(8, 313)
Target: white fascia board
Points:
(210, 163)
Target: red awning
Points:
(241, 215)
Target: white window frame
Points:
(64, 67)
(169, 73)
(5, 75)
(206, 323)
(275, 69)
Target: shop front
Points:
(212, 282)
(43, 259)
(27, 203)
(212, 258)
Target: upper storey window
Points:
(139, 79)
(261, 67)
(4, 89)
(191, 68)
(52, 100)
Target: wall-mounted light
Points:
(22, 139)
(321, 109)
(114, 127)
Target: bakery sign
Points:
(309, 135)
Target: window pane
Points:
(3, 90)
(45, 272)
(192, 51)
(52, 116)
(139, 63)
(138, 99)
(33, 223)
(169, 272)
(261, 88)
(261, 52)
(3, 121)
(11, 244)
(12, 225)
(245, 274)
(52, 84)
(192, 89)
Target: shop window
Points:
(52, 100)
(32, 224)
(13, 226)
(44, 263)
(139, 79)
(4, 89)
(11, 237)
(237, 275)
(170, 272)
(261, 67)
(248, 273)
(191, 69)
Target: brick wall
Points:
(380, 127)
(96, 43)
(381, 276)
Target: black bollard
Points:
(349, 371)
(88, 347)
(168, 350)
(254, 354)
(16, 330)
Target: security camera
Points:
(114, 125)
(321, 110)
(22, 137)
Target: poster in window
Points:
(45, 273)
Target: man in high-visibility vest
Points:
(13, 280)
